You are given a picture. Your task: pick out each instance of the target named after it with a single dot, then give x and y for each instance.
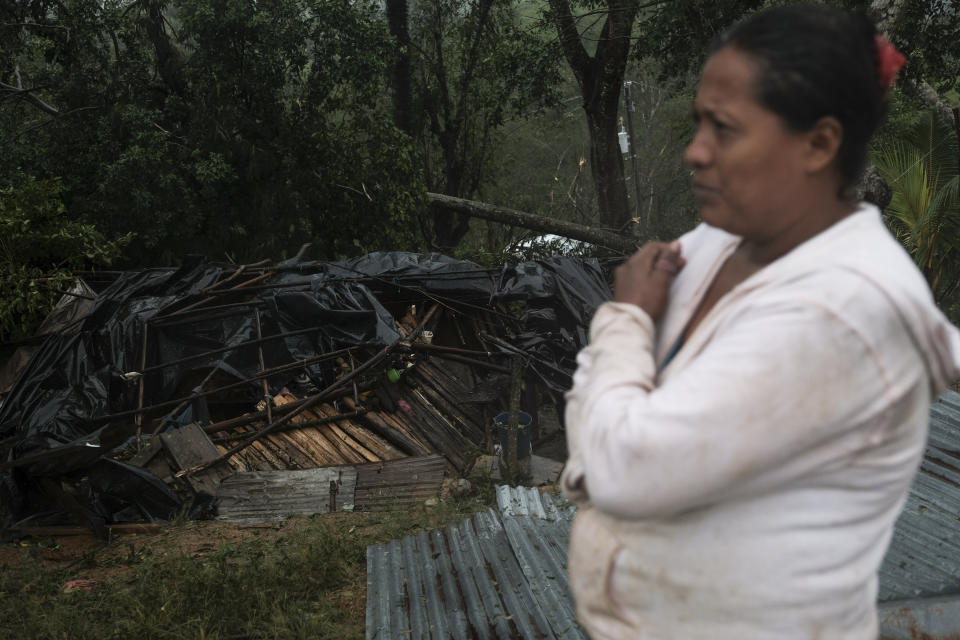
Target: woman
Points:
(746, 421)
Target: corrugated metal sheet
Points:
(539, 533)
(262, 496)
(924, 555)
(497, 575)
(386, 486)
(925, 619)
(500, 575)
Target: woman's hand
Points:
(644, 279)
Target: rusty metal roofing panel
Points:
(384, 486)
(926, 619)
(262, 496)
(530, 501)
(924, 555)
(497, 575)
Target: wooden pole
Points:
(516, 383)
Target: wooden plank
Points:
(398, 438)
(365, 455)
(443, 406)
(189, 446)
(264, 496)
(349, 454)
(259, 450)
(143, 458)
(321, 452)
(321, 444)
(344, 437)
(383, 449)
(436, 428)
(298, 449)
(404, 423)
(253, 458)
(285, 451)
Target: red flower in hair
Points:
(889, 61)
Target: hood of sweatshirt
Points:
(856, 244)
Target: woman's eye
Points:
(722, 129)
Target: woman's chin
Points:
(713, 214)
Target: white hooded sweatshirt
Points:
(748, 490)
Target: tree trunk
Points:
(397, 19)
(451, 129)
(600, 78)
(606, 161)
(168, 61)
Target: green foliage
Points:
(39, 247)
(923, 171)
(305, 581)
(252, 589)
(476, 65)
(679, 34)
(225, 128)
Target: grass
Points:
(304, 579)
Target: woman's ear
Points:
(823, 143)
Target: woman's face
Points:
(748, 167)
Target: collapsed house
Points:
(255, 391)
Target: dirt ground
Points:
(104, 561)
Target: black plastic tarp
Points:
(73, 381)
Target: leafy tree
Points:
(220, 127)
(40, 246)
(463, 68)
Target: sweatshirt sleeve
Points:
(787, 388)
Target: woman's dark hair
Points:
(816, 61)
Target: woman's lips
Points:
(704, 192)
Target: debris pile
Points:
(256, 391)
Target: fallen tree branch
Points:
(440, 202)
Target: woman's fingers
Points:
(645, 278)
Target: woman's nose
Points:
(697, 153)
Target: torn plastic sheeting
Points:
(433, 272)
(172, 343)
(347, 314)
(145, 293)
(344, 314)
(116, 485)
(577, 283)
(60, 459)
(55, 396)
(552, 359)
(71, 381)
